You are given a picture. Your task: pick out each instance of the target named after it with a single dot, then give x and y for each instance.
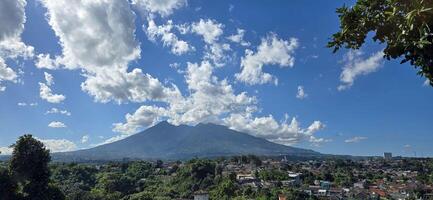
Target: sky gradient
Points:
(77, 74)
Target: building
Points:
(387, 155)
(282, 197)
(201, 195)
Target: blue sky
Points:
(79, 74)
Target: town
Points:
(248, 177)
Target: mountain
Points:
(166, 141)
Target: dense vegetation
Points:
(405, 27)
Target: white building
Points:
(201, 196)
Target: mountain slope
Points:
(166, 141)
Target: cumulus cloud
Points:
(5, 151)
(271, 51)
(56, 124)
(12, 19)
(355, 65)
(46, 93)
(58, 145)
(164, 32)
(355, 139)
(54, 145)
(6, 74)
(211, 31)
(144, 116)
(162, 7)
(239, 37)
(279, 132)
(103, 33)
(120, 86)
(45, 61)
(58, 111)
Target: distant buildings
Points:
(387, 155)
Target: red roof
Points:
(378, 192)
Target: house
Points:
(360, 185)
(322, 192)
(282, 197)
(326, 185)
(201, 195)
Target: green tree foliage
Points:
(29, 165)
(404, 26)
(225, 190)
(273, 174)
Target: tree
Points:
(404, 26)
(29, 165)
(8, 188)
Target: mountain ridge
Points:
(169, 142)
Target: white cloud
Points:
(85, 139)
(144, 116)
(162, 7)
(178, 47)
(6, 73)
(5, 151)
(58, 145)
(54, 145)
(13, 48)
(355, 65)
(45, 61)
(49, 78)
(46, 93)
(355, 139)
(209, 29)
(217, 53)
(239, 37)
(301, 93)
(56, 124)
(114, 85)
(12, 19)
(426, 82)
(272, 51)
(58, 111)
(94, 34)
(26, 104)
(267, 127)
